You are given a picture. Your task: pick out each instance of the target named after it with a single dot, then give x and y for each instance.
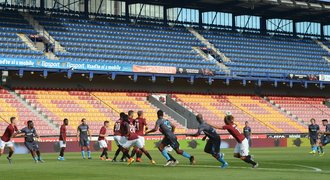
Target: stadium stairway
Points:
(33, 110)
(42, 32)
(322, 45)
(208, 44)
(27, 41)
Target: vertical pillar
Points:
(263, 25)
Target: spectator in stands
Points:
(247, 132)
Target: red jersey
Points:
(63, 133)
(234, 132)
(131, 120)
(103, 130)
(140, 124)
(10, 130)
(117, 128)
(131, 129)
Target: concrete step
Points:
(33, 109)
(27, 41)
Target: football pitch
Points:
(274, 163)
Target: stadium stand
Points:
(96, 107)
(304, 108)
(272, 55)
(11, 46)
(99, 41)
(262, 116)
(11, 107)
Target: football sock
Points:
(133, 152)
(89, 153)
(83, 154)
(148, 155)
(139, 155)
(171, 157)
(249, 160)
(165, 154)
(321, 149)
(10, 154)
(62, 152)
(221, 159)
(185, 154)
(117, 153)
(105, 152)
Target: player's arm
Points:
(78, 134)
(173, 127)
(89, 134)
(196, 134)
(153, 130)
(217, 127)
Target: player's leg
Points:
(176, 146)
(313, 145)
(140, 144)
(87, 144)
(128, 144)
(215, 145)
(2, 147)
(82, 145)
(29, 146)
(162, 149)
(36, 148)
(244, 153)
(104, 146)
(237, 151)
(62, 146)
(10, 145)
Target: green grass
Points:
(275, 163)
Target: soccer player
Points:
(83, 133)
(62, 139)
(247, 131)
(213, 144)
(325, 136)
(29, 134)
(119, 137)
(133, 140)
(167, 129)
(103, 142)
(313, 130)
(10, 132)
(242, 147)
(140, 125)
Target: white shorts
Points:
(120, 140)
(62, 144)
(4, 144)
(136, 142)
(242, 148)
(103, 144)
(142, 140)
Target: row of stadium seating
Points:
(11, 46)
(100, 106)
(273, 55)
(124, 43)
(96, 107)
(304, 108)
(261, 115)
(12, 107)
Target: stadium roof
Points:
(284, 9)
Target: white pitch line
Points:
(298, 165)
(311, 169)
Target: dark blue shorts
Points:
(213, 146)
(84, 142)
(325, 140)
(173, 142)
(32, 146)
(312, 140)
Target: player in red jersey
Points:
(242, 147)
(10, 132)
(133, 140)
(119, 136)
(63, 133)
(103, 143)
(140, 125)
